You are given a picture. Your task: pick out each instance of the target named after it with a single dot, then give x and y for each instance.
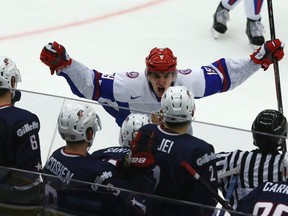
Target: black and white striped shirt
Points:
(254, 168)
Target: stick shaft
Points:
(275, 64)
(196, 176)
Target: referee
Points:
(257, 166)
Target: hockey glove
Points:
(268, 53)
(54, 55)
(143, 148)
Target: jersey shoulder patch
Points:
(185, 71)
(132, 75)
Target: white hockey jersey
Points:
(123, 93)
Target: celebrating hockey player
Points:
(122, 93)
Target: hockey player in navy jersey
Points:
(259, 165)
(269, 198)
(19, 142)
(77, 125)
(127, 133)
(134, 91)
(168, 145)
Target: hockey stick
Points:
(229, 193)
(197, 177)
(275, 64)
(228, 173)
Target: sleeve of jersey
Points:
(83, 82)
(232, 73)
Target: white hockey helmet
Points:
(178, 101)
(75, 119)
(8, 70)
(130, 127)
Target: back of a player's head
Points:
(75, 120)
(267, 128)
(9, 75)
(178, 105)
(130, 127)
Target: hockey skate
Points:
(220, 17)
(254, 31)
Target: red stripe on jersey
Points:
(96, 94)
(257, 5)
(232, 2)
(221, 68)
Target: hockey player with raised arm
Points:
(138, 91)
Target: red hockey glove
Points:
(143, 148)
(54, 55)
(268, 53)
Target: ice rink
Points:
(116, 36)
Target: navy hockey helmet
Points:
(267, 124)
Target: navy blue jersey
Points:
(114, 152)
(20, 146)
(176, 182)
(271, 198)
(71, 167)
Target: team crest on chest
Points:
(132, 74)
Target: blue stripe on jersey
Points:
(222, 67)
(212, 81)
(72, 86)
(106, 89)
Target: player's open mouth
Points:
(161, 90)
